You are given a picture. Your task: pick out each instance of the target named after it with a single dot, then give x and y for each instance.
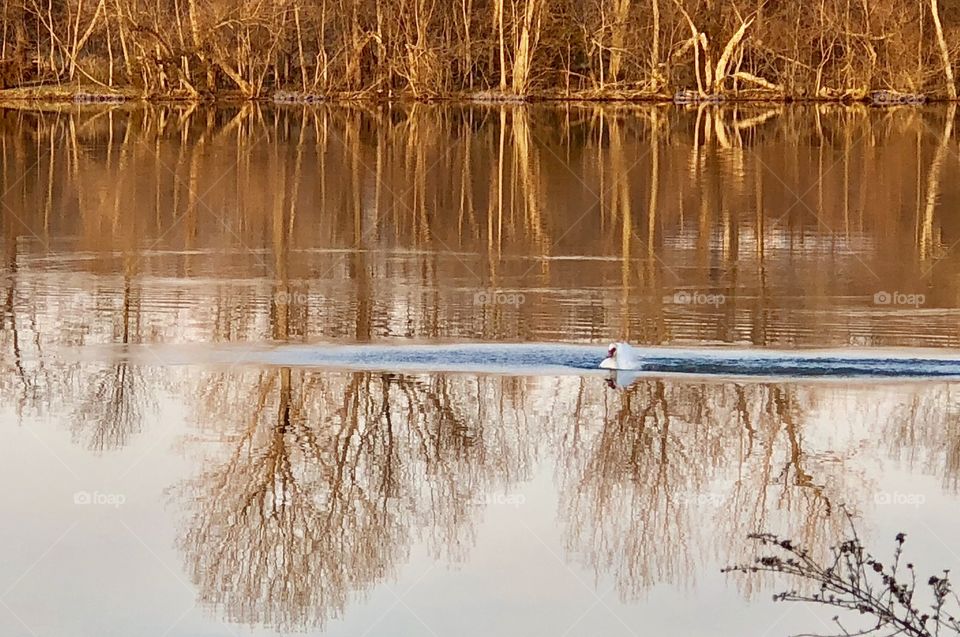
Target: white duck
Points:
(620, 356)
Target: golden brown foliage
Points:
(487, 49)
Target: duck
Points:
(620, 356)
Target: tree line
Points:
(492, 49)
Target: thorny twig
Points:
(854, 580)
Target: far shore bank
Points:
(95, 95)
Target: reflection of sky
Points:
(67, 569)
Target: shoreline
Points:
(98, 96)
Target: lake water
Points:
(328, 371)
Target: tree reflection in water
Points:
(330, 480)
(680, 471)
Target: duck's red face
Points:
(612, 351)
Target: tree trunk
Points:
(621, 12)
(498, 24)
(944, 51)
(655, 45)
(529, 34)
(302, 61)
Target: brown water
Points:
(165, 478)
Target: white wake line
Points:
(552, 359)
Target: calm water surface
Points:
(177, 466)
